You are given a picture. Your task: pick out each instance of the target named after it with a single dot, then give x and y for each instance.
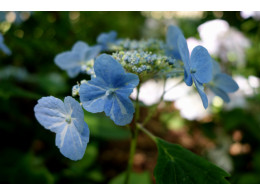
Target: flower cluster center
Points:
(68, 119)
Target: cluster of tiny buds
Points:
(87, 67)
(142, 45)
(75, 88)
(142, 61)
(141, 69)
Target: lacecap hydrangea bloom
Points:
(109, 91)
(221, 84)
(3, 47)
(79, 59)
(67, 121)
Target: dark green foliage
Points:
(177, 165)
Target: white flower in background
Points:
(152, 90)
(186, 99)
(246, 89)
(176, 92)
(254, 81)
(253, 14)
(193, 42)
(232, 46)
(210, 32)
(222, 41)
(191, 108)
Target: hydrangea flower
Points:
(3, 47)
(197, 67)
(221, 84)
(109, 91)
(67, 121)
(171, 49)
(104, 39)
(80, 58)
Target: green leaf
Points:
(102, 127)
(179, 165)
(135, 178)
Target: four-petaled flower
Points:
(109, 91)
(3, 47)
(104, 39)
(197, 67)
(221, 84)
(67, 121)
(80, 58)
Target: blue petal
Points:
(3, 47)
(72, 142)
(202, 63)
(120, 109)
(184, 52)
(108, 69)
(80, 47)
(216, 68)
(71, 61)
(127, 83)
(73, 72)
(202, 94)
(71, 137)
(1, 37)
(222, 94)
(85, 52)
(105, 38)
(93, 95)
(110, 90)
(172, 35)
(225, 83)
(187, 78)
(67, 60)
(51, 113)
(76, 112)
(92, 52)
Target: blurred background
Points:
(226, 134)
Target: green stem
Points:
(131, 156)
(134, 131)
(154, 108)
(141, 127)
(137, 106)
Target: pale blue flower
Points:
(110, 90)
(222, 84)
(197, 67)
(171, 49)
(67, 121)
(104, 39)
(80, 56)
(3, 47)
